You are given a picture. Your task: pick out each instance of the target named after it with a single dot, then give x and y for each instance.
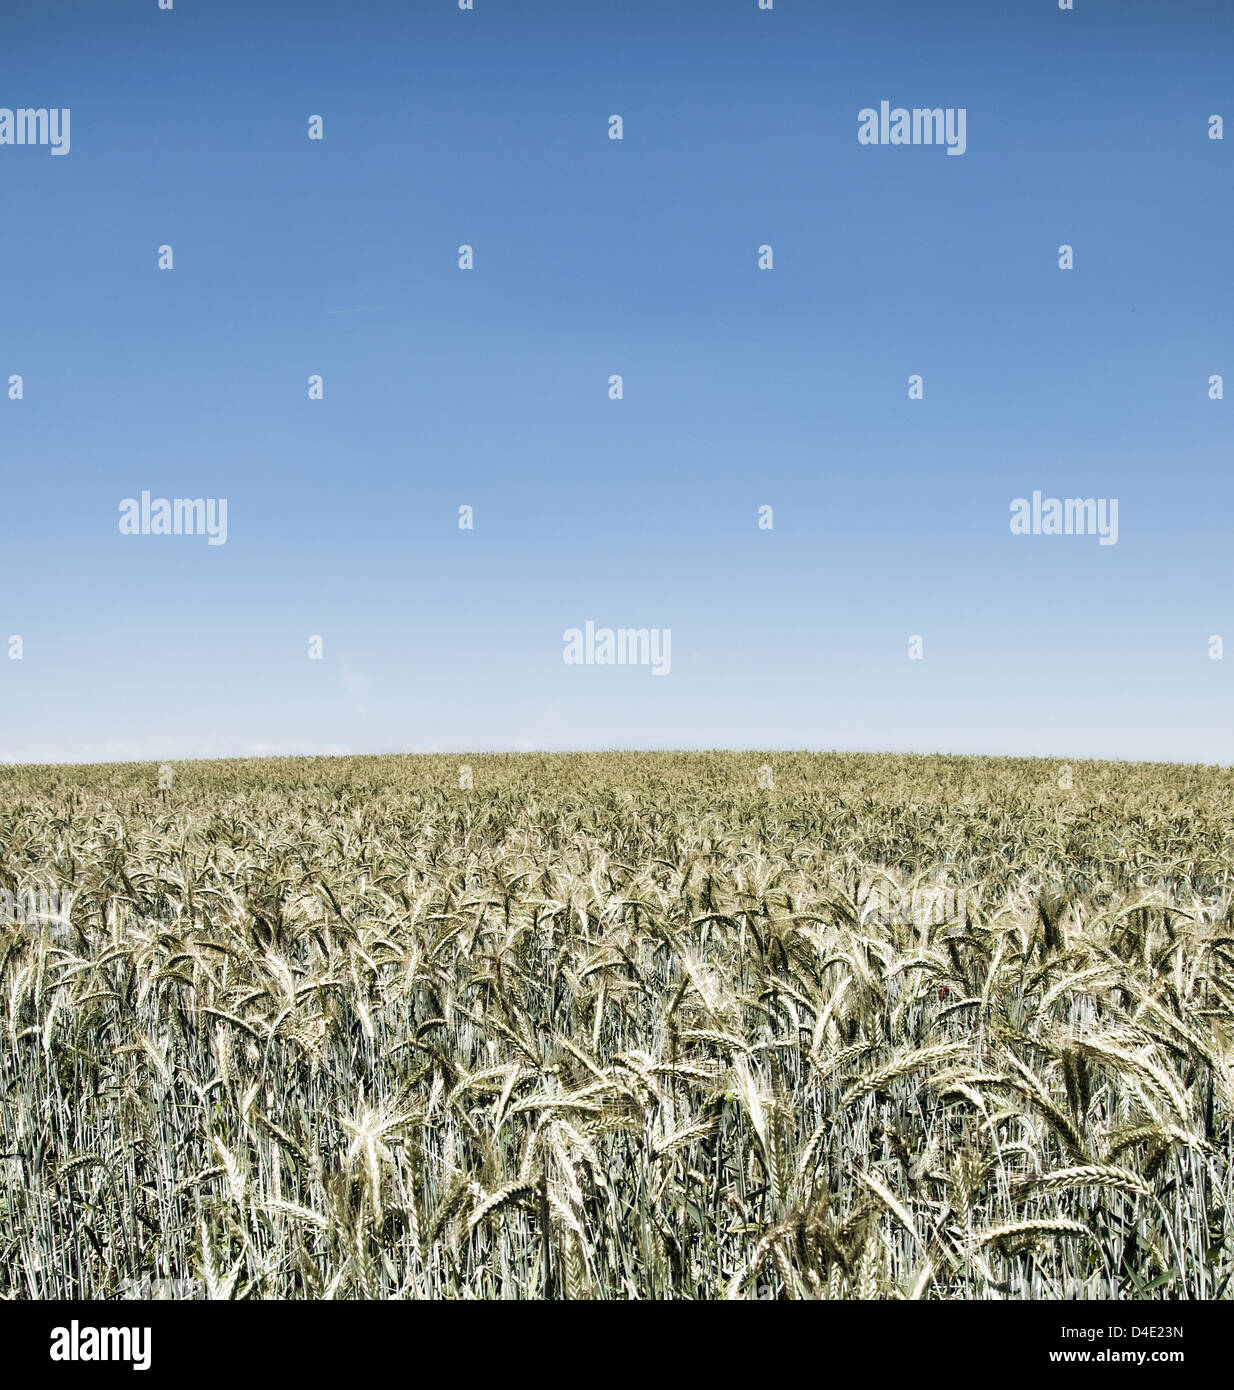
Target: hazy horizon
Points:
(480, 752)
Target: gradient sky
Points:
(742, 387)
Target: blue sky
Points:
(742, 387)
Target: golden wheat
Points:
(619, 1026)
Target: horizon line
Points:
(602, 751)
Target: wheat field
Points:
(713, 1025)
